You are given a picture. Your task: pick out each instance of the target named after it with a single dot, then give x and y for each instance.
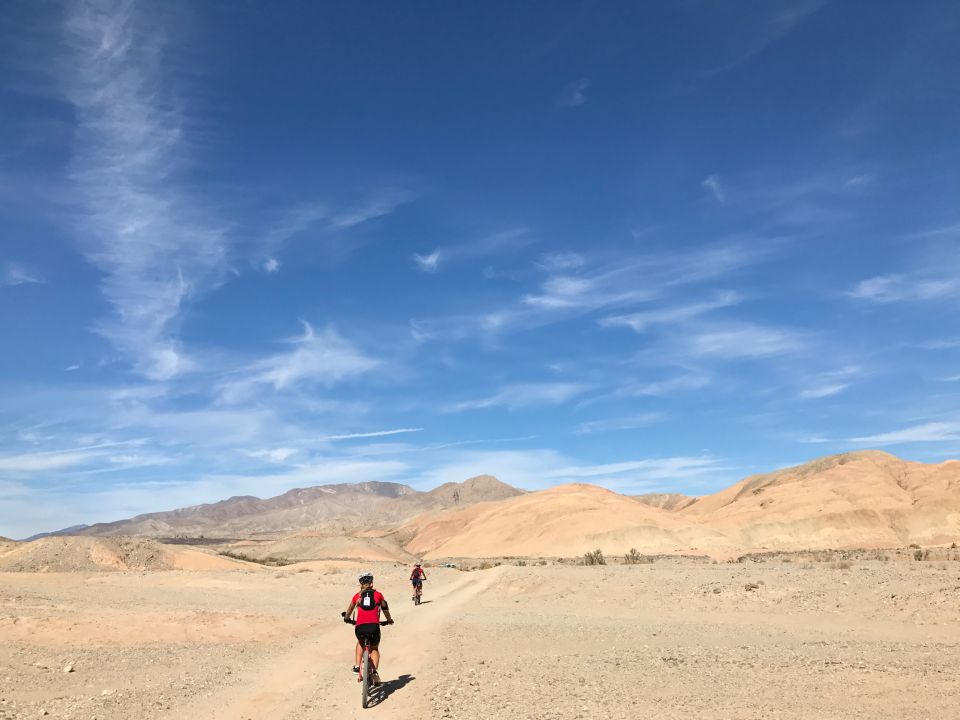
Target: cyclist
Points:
(416, 578)
(368, 604)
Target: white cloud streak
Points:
(515, 397)
(643, 321)
(905, 288)
(156, 247)
(323, 358)
(575, 94)
(927, 432)
(377, 433)
(15, 274)
(712, 184)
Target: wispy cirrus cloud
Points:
(514, 397)
(575, 94)
(629, 422)
(427, 263)
(643, 321)
(505, 241)
(905, 288)
(16, 274)
(157, 246)
(713, 186)
(926, 432)
(375, 433)
(741, 341)
(776, 22)
(830, 383)
(316, 358)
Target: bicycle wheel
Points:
(365, 666)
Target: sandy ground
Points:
(675, 639)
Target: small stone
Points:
(68, 669)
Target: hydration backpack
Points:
(367, 600)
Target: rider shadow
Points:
(389, 687)
(424, 602)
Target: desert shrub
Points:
(842, 565)
(634, 557)
(918, 554)
(485, 565)
(594, 558)
(541, 563)
(521, 563)
(953, 546)
(915, 546)
(271, 561)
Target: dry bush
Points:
(594, 558)
(842, 565)
(303, 570)
(485, 565)
(634, 557)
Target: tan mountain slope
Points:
(565, 520)
(307, 546)
(72, 554)
(864, 499)
(666, 501)
(481, 488)
(341, 509)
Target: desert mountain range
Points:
(859, 499)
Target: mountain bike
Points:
(367, 672)
(417, 592)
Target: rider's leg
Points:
(375, 656)
(359, 654)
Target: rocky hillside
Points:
(339, 509)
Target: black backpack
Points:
(367, 599)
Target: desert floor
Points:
(674, 639)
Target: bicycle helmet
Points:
(365, 577)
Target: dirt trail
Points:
(312, 679)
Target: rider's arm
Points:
(349, 612)
(386, 610)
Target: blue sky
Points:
(653, 246)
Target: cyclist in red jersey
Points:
(368, 604)
(417, 577)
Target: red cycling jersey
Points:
(368, 607)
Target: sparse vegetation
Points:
(842, 565)
(485, 565)
(594, 558)
(634, 557)
(270, 560)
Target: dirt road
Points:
(676, 640)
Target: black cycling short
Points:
(370, 631)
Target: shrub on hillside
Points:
(594, 558)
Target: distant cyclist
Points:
(416, 578)
(368, 604)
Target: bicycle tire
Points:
(365, 685)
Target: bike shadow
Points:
(425, 602)
(389, 687)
